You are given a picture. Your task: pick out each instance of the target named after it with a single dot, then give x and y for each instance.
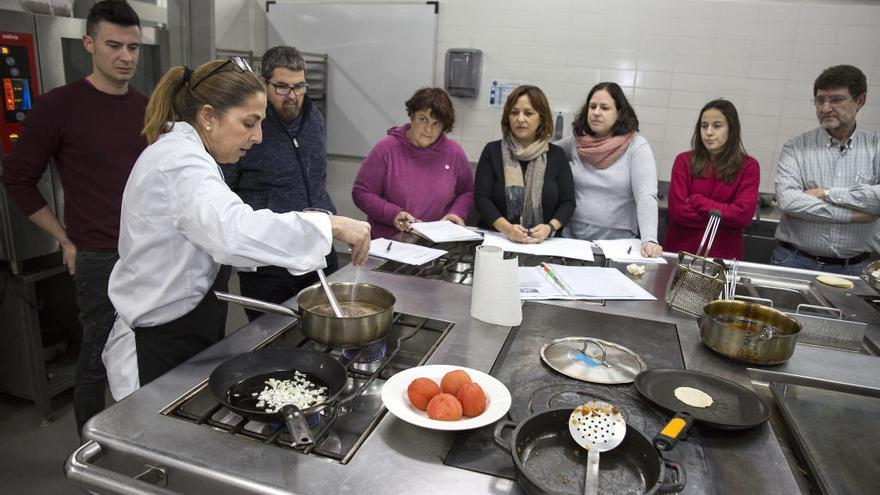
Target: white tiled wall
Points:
(670, 56)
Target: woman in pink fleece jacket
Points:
(416, 173)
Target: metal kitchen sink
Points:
(786, 294)
(822, 323)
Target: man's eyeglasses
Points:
(284, 90)
(237, 61)
(835, 100)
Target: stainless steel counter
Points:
(401, 458)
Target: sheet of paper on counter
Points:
(445, 231)
(585, 282)
(617, 250)
(411, 254)
(556, 246)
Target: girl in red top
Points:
(716, 174)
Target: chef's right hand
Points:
(355, 233)
(68, 255)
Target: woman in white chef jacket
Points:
(180, 223)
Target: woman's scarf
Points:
(523, 195)
(602, 152)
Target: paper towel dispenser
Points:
(463, 71)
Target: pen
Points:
(389, 246)
(629, 250)
(550, 273)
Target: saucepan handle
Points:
(499, 437)
(674, 482)
(300, 436)
(675, 429)
(257, 305)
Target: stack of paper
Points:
(445, 231)
(555, 246)
(411, 254)
(578, 282)
(627, 251)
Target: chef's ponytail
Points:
(182, 92)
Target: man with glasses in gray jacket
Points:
(828, 182)
(287, 171)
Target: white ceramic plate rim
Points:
(395, 400)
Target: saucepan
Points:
(237, 383)
(548, 460)
(368, 310)
(748, 332)
(871, 274)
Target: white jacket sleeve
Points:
(214, 218)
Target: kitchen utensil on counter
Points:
(337, 311)
(598, 427)
(593, 360)
(319, 325)
(749, 332)
(548, 461)
(730, 283)
(395, 399)
(733, 407)
(869, 275)
(697, 279)
(236, 380)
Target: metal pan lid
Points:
(593, 360)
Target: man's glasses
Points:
(835, 100)
(237, 61)
(284, 90)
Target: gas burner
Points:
(457, 265)
(368, 358)
(340, 428)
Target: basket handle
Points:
(711, 230)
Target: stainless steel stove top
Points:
(340, 429)
(457, 265)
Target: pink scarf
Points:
(601, 153)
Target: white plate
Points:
(395, 399)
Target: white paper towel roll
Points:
(495, 295)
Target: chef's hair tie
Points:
(187, 74)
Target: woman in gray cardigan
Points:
(615, 176)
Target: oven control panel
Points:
(18, 84)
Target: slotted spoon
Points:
(598, 427)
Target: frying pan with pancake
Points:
(734, 407)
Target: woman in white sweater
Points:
(615, 176)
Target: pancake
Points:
(693, 397)
(833, 281)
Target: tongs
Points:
(730, 283)
(711, 230)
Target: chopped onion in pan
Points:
(299, 392)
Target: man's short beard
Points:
(289, 112)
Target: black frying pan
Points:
(548, 460)
(734, 407)
(233, 383)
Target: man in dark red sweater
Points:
(91, 128)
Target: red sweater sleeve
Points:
(739, 213)
(680, 210)
(25, 165)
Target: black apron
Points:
(162, 347)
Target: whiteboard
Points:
(379, 55)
